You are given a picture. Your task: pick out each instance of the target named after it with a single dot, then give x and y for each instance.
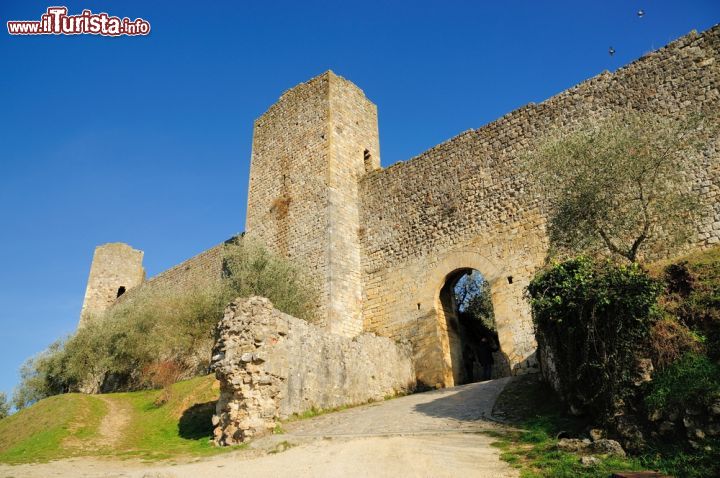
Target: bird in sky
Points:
(611, 51)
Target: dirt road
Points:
(433, 434)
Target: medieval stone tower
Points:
(116, 268)
(310, 149)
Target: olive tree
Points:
(4, 406)
(620, 185)
(473, 297)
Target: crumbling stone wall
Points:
(271, 365)
(464, 204)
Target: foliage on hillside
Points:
(693, 296)
(594, 317)
(688, 357)
(473, 297)
(4, 406)
(154, 339)
(670, 411)
(253, 270)
(71, 425)
(691, 381)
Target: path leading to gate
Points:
(466, 408)
(432, 434)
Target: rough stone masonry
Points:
(384, 242)
(271, 365)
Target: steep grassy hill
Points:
(153, 424)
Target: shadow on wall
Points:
(196, 422)
(501, 366)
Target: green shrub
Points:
(4, 406)
(253, 270)
(693, 295)
(151, 338)
(692, 381)
(40, 377)
(593, 318)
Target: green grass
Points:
(52, 428)
(161, 425)
(68, 425)
(532, 449)
(180, 426)
(534, 452)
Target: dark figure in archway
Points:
(485, 356)
(470, 359)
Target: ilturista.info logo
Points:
(56, 21)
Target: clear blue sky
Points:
(146, 140)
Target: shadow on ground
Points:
(196, 421)
(526, 397)
(466, 403)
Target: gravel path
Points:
(432, 434)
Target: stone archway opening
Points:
(471, 346)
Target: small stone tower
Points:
(310, 149)
(116, 268)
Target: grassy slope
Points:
(69, 425)
(54, 425)
(704, 262)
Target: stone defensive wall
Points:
(386, 246)
(117, 275)
(196, 272)
(464, 203)
(271, 366)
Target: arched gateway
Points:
(384, 244)
(417, 307)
